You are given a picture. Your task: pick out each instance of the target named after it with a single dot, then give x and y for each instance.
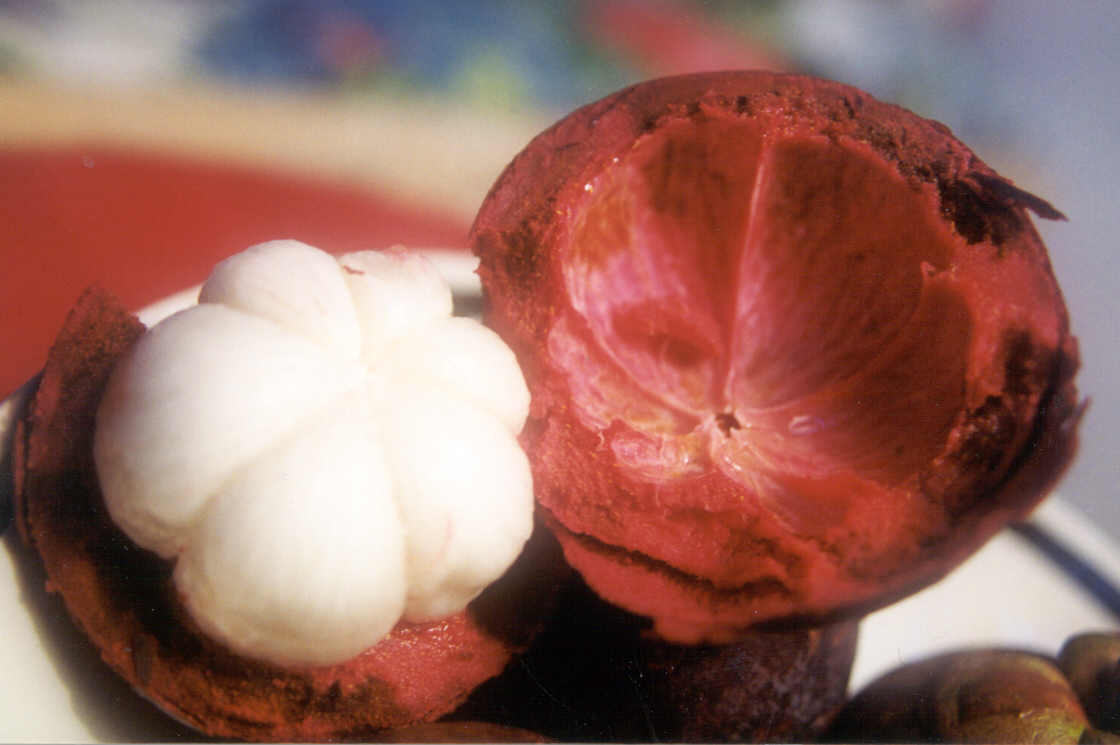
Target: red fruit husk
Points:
(123, 599)
(794, 352)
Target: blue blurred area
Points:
(533, 53)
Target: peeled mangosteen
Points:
(126, 598)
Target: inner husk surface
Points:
(782, 306)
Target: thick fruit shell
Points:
(793, 352)
(124, 601)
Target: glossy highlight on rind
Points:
(793, 352)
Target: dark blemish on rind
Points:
(923, 173)
(976, 214)
(1022, 373)
(649, 124)
(521, 257)
(985, 207)
(884, 142)
(294, 696)
(332, 697)
(959, 205)
(990, 430)
(1011, 194)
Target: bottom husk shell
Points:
(123, 600)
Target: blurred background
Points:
(140, 140)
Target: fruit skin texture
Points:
(983, 695)
(596, 675)
(794, 353)
(1091, 662)
(123, 599)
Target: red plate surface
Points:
(145, 225)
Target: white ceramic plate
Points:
(53, 688)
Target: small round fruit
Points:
(793, 352)
(983, 695)
(1091, 661)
